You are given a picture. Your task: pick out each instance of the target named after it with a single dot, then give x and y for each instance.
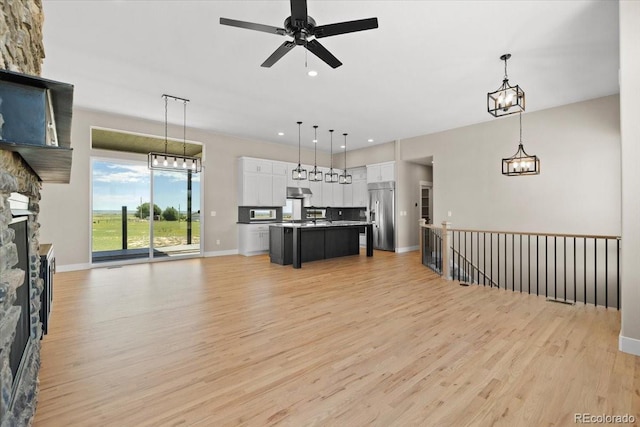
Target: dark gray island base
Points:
(298, 243)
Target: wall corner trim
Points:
(629, 345)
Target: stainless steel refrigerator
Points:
(382, 214)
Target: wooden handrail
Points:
(526, 233)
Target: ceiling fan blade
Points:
(321, 52)
(279, 53)
(345, 27)
(253, 26)
(299, 12)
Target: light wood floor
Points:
(350, 342)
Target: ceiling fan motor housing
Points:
(300, 30)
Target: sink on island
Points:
(295, 243)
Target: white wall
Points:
(630, 129)
(578, 190)
(66, 210)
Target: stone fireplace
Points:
(21, 50)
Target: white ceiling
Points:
(427, 68)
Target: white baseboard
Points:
(221, 253)
(629, 345)
(72, 267)
(407, 249)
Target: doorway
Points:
(139, 214)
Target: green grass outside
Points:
(107, 232)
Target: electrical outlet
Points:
(218, 242)
(449, 213)
(213, 213)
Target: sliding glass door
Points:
(176, 229)
(137, 214)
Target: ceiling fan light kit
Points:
(304, 31)
(174, 162)
(506, 99)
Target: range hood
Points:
(298, 192)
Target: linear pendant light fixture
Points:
(345, 178)
(298, 173)
(315, 174)
(175, 162)
(521, 163)
(507, 99)
(331, 176)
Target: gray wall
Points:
(66, 209)
(578, 190)
(630, 128)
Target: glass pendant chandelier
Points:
(521, 163)
(345, 178)
(298, 173)
(507, 99)
(175, 162)
(331, 176)
(315, 174)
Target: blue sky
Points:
(117, 184)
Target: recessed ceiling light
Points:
(369, 140)
(312, 73)
(280, 133)
(342, 146)
(315, 141)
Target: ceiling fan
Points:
(305, 33)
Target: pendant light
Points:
(315, 174)
(345, 178)
(521, 163)
(298, 173)
(331, 176)
(175, 162)
(507, 99)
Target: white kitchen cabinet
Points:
(347, 195)
(253, 239)
(360, 193)
(256, 183)
(338, 194)
(279, 190)
(381, 172)
(316, 193)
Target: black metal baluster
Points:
(546, 265)
(459, 250)
(575, 289)
(471, 281)
(537, 265)
(520, 237)
(565, 266)
(595, 272)
(453, 254)
(529, 263)
(506, 281)
(484, 259)
(618, 272)
(491, 259)
(555, 267)
(498, 248)
(513, 263)
(466, 262)
(606, 273)
(585, 271)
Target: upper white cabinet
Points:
(381, 172)
(316, 192)
(360, 194)
(261, 182)
(279, 183)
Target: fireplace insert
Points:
(23, 326)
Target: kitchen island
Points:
(295, 243)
